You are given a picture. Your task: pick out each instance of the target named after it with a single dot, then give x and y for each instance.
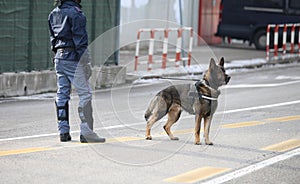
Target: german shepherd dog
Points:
(199, 99)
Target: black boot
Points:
(62, 113)
(86, 116)
(91, 138)
(65, 137)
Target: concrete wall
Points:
(29, 83)
(18, 84)
(108, 76)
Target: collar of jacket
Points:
(70, 3)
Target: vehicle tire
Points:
(260, 39)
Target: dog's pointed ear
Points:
(212, 64)
(221, 63)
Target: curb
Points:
(229, 65)
(23, 84)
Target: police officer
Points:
(69, 42)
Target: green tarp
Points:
(24, 37)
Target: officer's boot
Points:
(63, 122)
(87, 134)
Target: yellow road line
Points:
(22, 151)
(284, 119)
(242, 124)
(284, 146)
(31, 150)
(183, 131)
(197, 175)
(280, 147)
(115, 139)
(123, 139)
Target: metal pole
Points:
(93, 30)
(181, 25)
(30, 29)
(117, 24)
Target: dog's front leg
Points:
(207, 123)
(197, 128)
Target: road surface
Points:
(255, 131)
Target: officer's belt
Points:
(65, 49)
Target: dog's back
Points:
(175, 94)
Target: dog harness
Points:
(194, 92)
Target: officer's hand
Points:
(87, 68)
(53, 49)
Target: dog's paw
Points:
(209, 143)
(149, 138)
(174, 138)
(197, 143)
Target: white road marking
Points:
(253, 167)
(143, 123)
(281, 77)
(28, 137)
(239, 86)
(261, 107)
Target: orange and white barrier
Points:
(178, 56)
(275, 30)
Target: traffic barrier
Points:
(275, 30)
(178, 55)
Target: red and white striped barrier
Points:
(274, 28)
(178, 56)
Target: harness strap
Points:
(209, 98)
(199, 94)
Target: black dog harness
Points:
(197, 93)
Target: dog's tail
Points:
(150, 109)
(147, 114)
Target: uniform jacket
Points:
(67, 26)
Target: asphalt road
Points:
(255, 131)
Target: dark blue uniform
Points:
(67, 25)
(69, 41)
